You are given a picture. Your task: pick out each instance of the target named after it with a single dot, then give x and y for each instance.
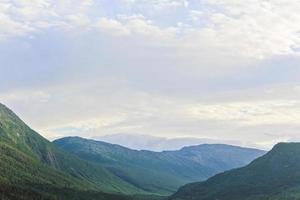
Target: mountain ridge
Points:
(33, 166)
(156, 143)
(29, 159)
(273, 176)
(174, 167)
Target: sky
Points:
(216, 69)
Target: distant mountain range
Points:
(154, 143)
(75, 168)
(274, 176)
(162, 172)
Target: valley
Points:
(73, 167)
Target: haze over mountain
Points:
(162, 172)
(154, 143)
(274, 176)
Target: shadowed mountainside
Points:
(274, 176)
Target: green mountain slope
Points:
(31, 163)
(274, 176)
(160, 172)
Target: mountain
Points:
(274, 176)
(31, 165)
(160, 172)
(154, 143)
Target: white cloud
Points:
(259, 29)
(250, 113)
(253, 30)
(112, 26)
(196, 15)
(78, 20)
(24, 17)
(10, 27)
(208, 68)
(157, 4)
(103, 108)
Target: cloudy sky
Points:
(219, 69)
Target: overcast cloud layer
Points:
(218, 69)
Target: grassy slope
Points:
(274, 176)
(23, 177)
(8, 192)
(29, 159)
(161, 172)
